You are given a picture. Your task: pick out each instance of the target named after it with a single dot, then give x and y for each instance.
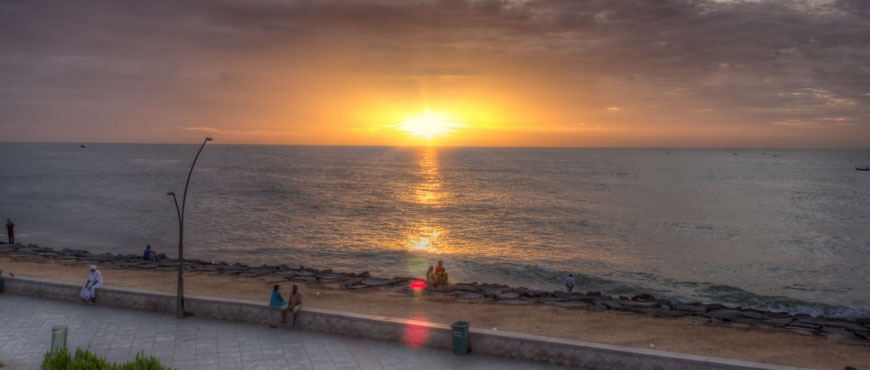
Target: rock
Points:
(641, 304)
(513, 302)
(643, 298)
(670, 313)
(753, 315)
(284, 274)
(690, 307)
(714, 306)
(779, 322)
(470, 296)
(724, 314)
(509, 295)
(534, 293)
(365, 274)
(326, 279)
(305, 279)
(845, 325)
(611, 305)
(593, 294)
(465, 288)
(569, 304)
(371, 283)
(800, 325)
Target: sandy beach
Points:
(684, 335)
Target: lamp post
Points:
(179, 297)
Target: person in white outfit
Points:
(95, 280)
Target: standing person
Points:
(278, 301)
(295, 303)
(569, 283)
(10, 230)
(89, 291)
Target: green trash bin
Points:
(460, 337)
(58, 337)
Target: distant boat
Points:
(83, 146)
(865, 168)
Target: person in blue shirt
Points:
(278, 301)
(149, 255)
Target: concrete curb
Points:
(412, 333)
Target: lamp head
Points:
(172, 193)
(208, 139)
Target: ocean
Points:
(770, 229)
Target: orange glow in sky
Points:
(434, 73)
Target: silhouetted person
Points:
(10, 230)
(569, 283)
(149, 255)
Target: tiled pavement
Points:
(197, 343)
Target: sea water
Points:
(772, 229)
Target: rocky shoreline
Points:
(856, 329)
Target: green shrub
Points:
(84, 360)
(57, 360)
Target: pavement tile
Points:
(197, 343)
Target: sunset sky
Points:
(651, 73)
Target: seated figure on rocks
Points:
(430, 276)
(149, 254)
(440, 275)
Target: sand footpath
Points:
(684, 335)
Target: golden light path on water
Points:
(424, 235)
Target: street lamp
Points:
(179, 297)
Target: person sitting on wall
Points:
(278, 301)
(295, 303)
(89, 291)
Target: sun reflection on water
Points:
(426, 234)
(428, 192)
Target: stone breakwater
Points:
(857, 329)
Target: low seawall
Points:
(413, 333)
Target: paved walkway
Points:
(196, 343)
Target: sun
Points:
(429, 126)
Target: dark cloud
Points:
(747, 62)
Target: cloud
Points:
(753, 62)
(821, 123)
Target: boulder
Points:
(569, 304)
(509, 295)
(470, 296)
(779, 322)
(693, 308)
(513, 302)
(643, 298)
(305, 279)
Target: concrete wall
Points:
(413, 333)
